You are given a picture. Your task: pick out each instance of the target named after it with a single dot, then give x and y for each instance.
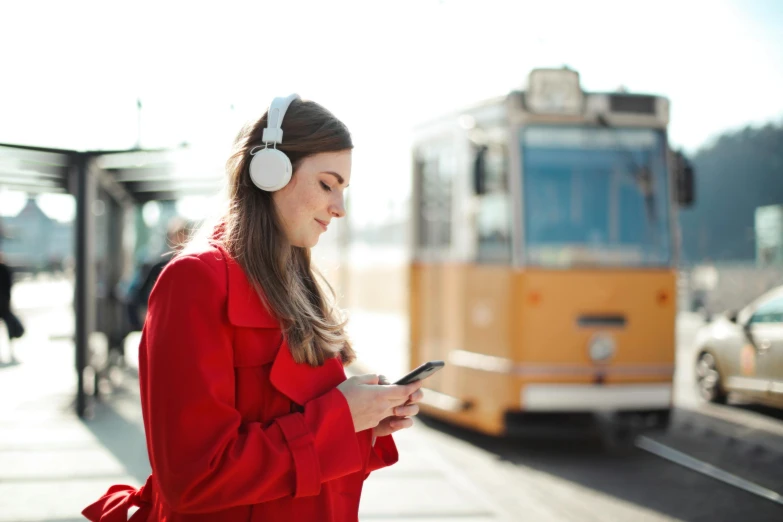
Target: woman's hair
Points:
(252, 234)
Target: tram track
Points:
(705, 468)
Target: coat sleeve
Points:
(203, 457)
(380, 455)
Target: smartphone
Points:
(422, 372)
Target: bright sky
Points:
(72, 71)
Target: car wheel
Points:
(708, 379)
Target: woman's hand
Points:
(401, 418)
(371, 402)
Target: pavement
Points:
(53, 464)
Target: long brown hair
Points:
(291, 288)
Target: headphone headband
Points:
(274, 119)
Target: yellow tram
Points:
(543, 262)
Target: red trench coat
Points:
(236, 430)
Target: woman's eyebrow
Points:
(340, 179)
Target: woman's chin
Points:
(308, 243)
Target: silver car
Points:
(742, 353)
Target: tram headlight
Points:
(601, 347)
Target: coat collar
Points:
(299, 382)
(245, 308)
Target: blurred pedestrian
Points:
(247, 409)
(147, 274)
(13, 325)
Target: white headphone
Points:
(270, 169)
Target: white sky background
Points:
(72, 71)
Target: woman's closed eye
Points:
(326, 187)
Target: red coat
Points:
(236, 430)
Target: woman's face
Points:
(313, 197)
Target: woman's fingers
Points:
(417, 396)
(408, 410)
(400, 423)
(400, 393)
(391, 425)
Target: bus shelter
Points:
(107, 185)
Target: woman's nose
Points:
(338, 208)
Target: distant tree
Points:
(739, 172)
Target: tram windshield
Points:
(595, 196)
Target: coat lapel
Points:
(299, 382)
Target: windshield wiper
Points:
(641, 174)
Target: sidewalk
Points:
(52, 464)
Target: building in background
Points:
(35, 242)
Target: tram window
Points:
(493, 159)
(435, 168)
(494, 213)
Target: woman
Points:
(247, 411)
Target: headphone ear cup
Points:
(270, 169)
